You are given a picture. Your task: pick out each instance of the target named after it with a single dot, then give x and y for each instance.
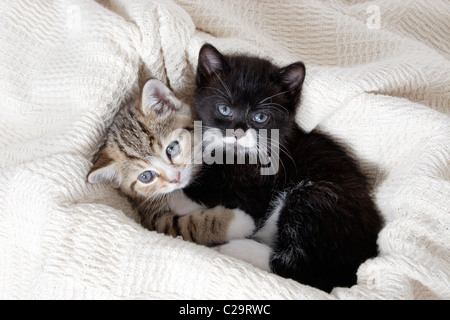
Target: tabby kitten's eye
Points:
(147, 176)
(260, 117)
(173, 149)
(224, 110)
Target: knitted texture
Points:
(378, 77)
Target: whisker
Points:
(275, 95)
(273, 104)
(224, 95)
(209, 97)
(282, 149)
(225, 87)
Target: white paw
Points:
(248, 250)
(181, 205)
(241, 226)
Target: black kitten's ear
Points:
(157, 99)
(292, 76)
(211, 64)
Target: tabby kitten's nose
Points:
(177, 179)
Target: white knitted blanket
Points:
(378, 76)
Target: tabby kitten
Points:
(316, 221)
(147, 156)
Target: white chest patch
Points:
(268, 233)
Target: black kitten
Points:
(317, 222)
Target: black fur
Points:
(329, 224)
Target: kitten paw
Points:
(241, 226)
(248, 250)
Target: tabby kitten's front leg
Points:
(204, 226)
(214, 226)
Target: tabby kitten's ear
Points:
(211, 64)
(157, 99)
(104, 170)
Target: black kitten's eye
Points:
(260, 117)
(173, 149)
(147, 176)
(224, 110)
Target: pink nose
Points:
(177, 179)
